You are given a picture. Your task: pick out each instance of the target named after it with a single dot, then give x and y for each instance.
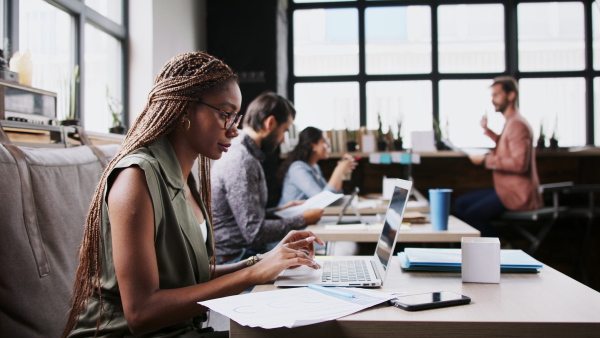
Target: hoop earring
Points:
(183, 123)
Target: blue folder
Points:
(418, 259)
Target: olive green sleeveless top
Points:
(181, 253)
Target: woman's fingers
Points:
(301, 259)
(301, 243)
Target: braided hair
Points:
(181, 81)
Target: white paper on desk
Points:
(318, 201)
(467, 151)
(293, 307)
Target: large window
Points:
(430, 61)
(77, 51)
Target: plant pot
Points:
(116, 130)
(541, 143)
(398, 145)
(553, 144)
(382, 145)
(351, 146)
(440, 145)
(69, 122)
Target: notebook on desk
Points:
(357, 271)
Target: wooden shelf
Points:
(38, 135)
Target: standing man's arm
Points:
(487, 131)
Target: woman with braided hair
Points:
(147, 256)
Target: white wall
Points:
(159, 30)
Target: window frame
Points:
(81, 14)
(511, 53)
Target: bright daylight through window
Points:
(430, 61)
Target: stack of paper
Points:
(450, 260)
(293, 307)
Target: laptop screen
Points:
(347, 204)
(391, 225)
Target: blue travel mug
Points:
(439, 204)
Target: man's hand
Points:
(291, 204)
(477, 159)
(484, 122)
(312, 216)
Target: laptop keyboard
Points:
(345, 271)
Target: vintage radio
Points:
(26, 104)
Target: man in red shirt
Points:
(512, 161)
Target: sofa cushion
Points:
(35, 304)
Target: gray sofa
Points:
(44, 199)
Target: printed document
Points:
(468, 151)
(318, 201)
(294, 307)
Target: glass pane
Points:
(597, 111)
(462, 105)
(102, 60)
(596, 34)
(326, 42)
(48, 34)
(2, 42)
(398, 40)
(556, 104)
(551, 36)
(112, 9)
(408, 101)
(326, 106)
(471, 38)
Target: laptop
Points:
(357, 271)
(347, 202)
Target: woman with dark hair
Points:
(301, 176)
(147, 255)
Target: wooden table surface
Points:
(457, 229)
(548, 304)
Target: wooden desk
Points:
(417, 233)
(421, 204)
(548, 304)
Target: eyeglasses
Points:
(230, 118)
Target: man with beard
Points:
(243, 226)
(512, 161)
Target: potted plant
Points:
(351, 143)
(398, 138)
(553, 138)
(541, 142)
(382, 143)
(437, 133)
(115, 107)
(71, 88)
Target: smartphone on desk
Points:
(429, 300)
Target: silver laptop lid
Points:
(391, 226)
(347, 204)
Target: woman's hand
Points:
(291, 204)
(346, 164)
(296, 249)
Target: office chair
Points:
(589, 214)
(522, 219)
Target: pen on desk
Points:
(330, 290)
